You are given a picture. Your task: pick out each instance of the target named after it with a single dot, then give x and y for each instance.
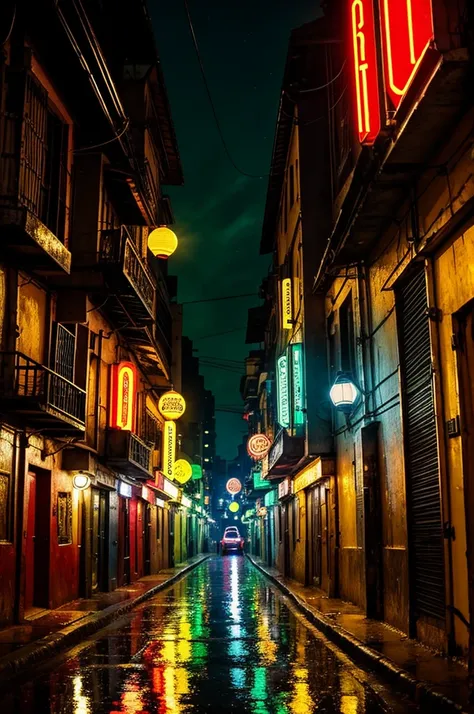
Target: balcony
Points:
(127, 275)
(127, 453)
(39, 398)
(285, 454)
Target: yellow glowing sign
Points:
(172, 405)
(182, 471)
(169, 448)
(286, 304)
(123, 396)
(234, 507)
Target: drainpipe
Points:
(97, 395)
(367, 339)
(21, 444)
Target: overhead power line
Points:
(211, 101)
(215, 299)
(219, 334)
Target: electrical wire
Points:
(9, 33)
(211, 101)
(219, 334)
(104, 143)
(224, 297)
(324, 86)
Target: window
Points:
(64, 516)
(65, 352)
(296, 520)
(285, 211)
(151, 429)
(346, 327)
(292, 185)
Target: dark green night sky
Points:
(218, 211)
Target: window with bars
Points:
(151, 429)
(65, 351)
(43, 172)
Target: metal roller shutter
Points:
(421, 449)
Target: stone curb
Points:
(421, 692)
(19, 662)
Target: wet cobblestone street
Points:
(219, 640)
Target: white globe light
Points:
(344, 394)
(81, 482)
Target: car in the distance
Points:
(232, 541)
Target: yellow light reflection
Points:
(81, 704)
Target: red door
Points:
(30, 542)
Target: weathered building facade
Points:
(87, 142)
(390, 268)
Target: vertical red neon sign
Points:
(124, 386)
(407, 27)
(365, 70)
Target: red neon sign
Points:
(123, 396)
(407, 33)
(365, 70)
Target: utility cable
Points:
(211, 101)
(104, 143)
(9, 33)
(215, 299)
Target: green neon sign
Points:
(258, 481)
(283, 391)
(197, 472)
(297, 375)
(270, 498)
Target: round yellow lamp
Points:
(234, 507)
(162, 242)
(182, 471)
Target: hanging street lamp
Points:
(344, 393)
(162, 242)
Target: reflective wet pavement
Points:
(219, 640)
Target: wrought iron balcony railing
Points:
(128, 453)
(118, 251)
(44, 398)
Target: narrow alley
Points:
(220, 639)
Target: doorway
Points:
(147, 535)
(124, 542)
(373, 536)
(37, 546)
(99, 539)
(318, 540)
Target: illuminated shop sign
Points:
(407, 31)
(196, 472)
(270, 498)
(365, 70)
(283, 392)
(182, 471)
(172, 405)
(258, 446)
(159, 502)
(186, 502)
(234, 507)
(297, 373)
(170, 489)
(286, 304)
(169, 448)
(148, 495)
(308, 476)
(258, 481)
(233, 486)
(284, 488)
(123, 394)
(125, 490)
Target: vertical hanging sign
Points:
(169, 448)
(407, 30)
(123, 396)
(365, 70)
(283, 392)
(286, 304)
(297, 374)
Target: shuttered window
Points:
(421, 451)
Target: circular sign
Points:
(233, 485)
(172, 405)
(234, 507)
(182, 471)
(258, 446)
